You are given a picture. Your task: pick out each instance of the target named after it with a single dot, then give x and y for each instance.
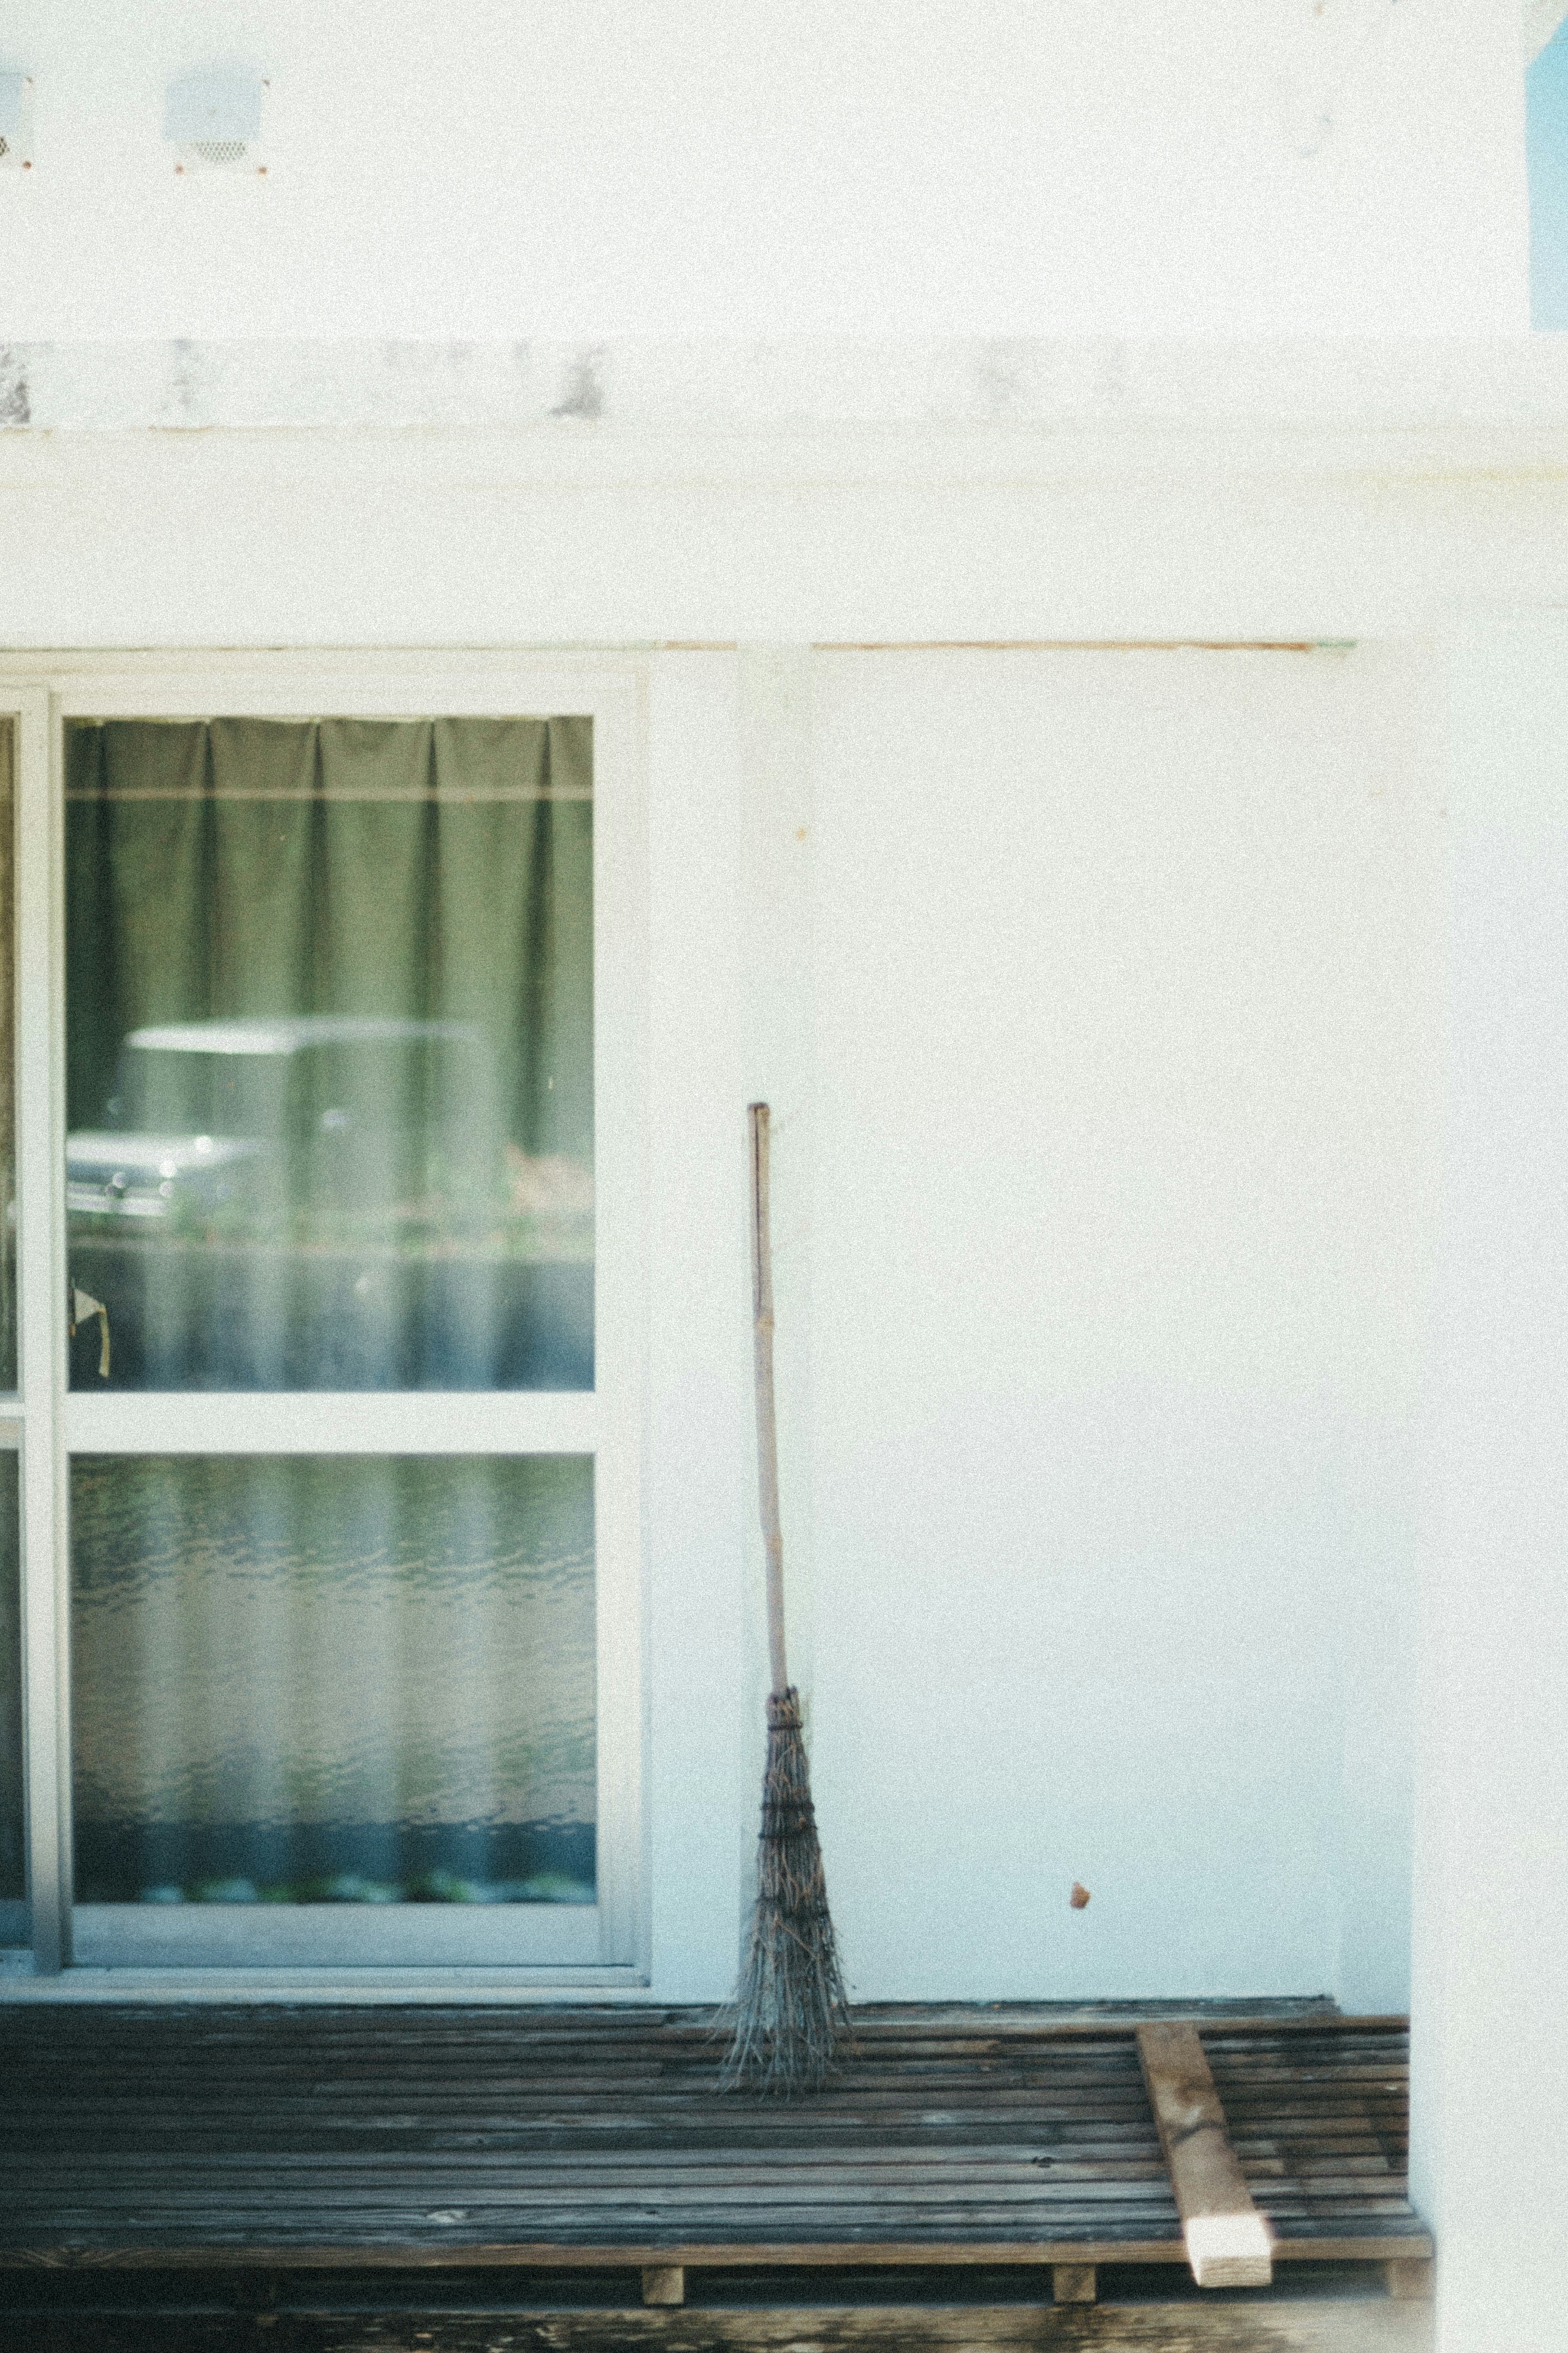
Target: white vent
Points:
(15, 123)
(214, 155)
(212, 120)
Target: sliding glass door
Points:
(340, 1411)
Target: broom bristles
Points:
(792, 2014)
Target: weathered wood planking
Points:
(149, 2136)
(1274, 2326)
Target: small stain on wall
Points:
(584, 393)
(16, 402)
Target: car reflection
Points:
(108, 1175)
(325, 1201)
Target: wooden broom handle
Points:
(767, 1423)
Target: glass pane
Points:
(333, 1679)
(329, 1064)
(13, 1816)
(7, 1059)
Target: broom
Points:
(792, 2012)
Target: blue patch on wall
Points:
(1546, 142)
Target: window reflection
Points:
(330, 1048)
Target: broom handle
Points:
(767, 1423)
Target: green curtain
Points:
(432, 875)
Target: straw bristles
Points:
(792, 2014)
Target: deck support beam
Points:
(1073, 2283)
(1409, 2277)
(1226, 2238)
(664, 2283)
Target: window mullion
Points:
(316, 1421)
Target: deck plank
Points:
(148, 2133)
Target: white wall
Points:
(702, 1735)
(513, 169)
(1125, 1077)
(1106, 1055)
(1489, 2157)
(1097, 995)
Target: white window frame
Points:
(449, 1948)
(13, 1911)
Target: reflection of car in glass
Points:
(320, 1201)
(253, 1125)
(112, 1175)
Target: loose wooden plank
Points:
(1228, 2241)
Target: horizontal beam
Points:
(1304, 2325)
(709, 2254)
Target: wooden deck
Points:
(593, 2140)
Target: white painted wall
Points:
(1489, 2157)
(1097, 995)
(1098, 1454)
(1126, 1068)
(700, 1734)
(513, 168)
(1098, 1002)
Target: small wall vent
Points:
(212, 120)
(15, 123)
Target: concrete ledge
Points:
(1396, 386)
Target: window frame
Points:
(500, 1946)
(12, 1910)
